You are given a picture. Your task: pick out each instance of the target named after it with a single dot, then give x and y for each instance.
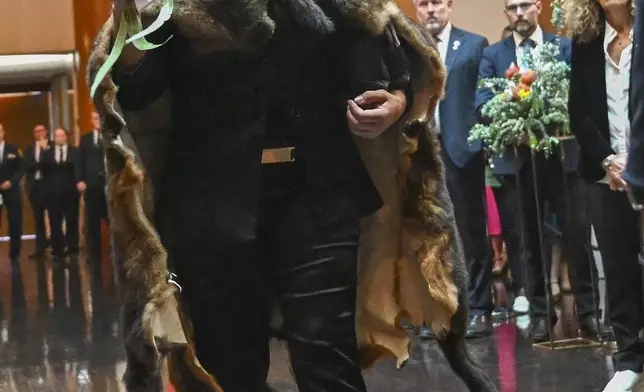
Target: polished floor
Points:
(58, 332)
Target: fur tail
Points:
(459, 357)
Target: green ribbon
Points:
(131, 26)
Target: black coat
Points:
(226, 107)
(93, 162)
(588, 107)
(32, 166)
(11, 169)
(61, 178)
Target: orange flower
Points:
(513, 70)
(528, 78)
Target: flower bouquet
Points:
(530, 105)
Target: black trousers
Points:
(311, 270)
(95, 212)
(617, 230)
(65, 207)
(37, 199)
(12, 202)
(466, 188)
(565, 195)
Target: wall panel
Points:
(36, 26)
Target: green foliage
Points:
(535, 114)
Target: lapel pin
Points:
(456, 45)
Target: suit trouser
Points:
(466, 188)
(566, 198)
(13, 203)
(312, 271)
(617, 229)
(37, 199)
(95, 212)
(64, 207)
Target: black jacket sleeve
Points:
(594, 147)
(380, 63)
(142, 85)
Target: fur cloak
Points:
(411, 264)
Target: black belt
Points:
(278, 155)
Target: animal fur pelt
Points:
(411, 263)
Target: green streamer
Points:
(117, 49)
(164, 15)
(132, 26)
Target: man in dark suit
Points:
(461, 52)
(35, 186)
(11, 170)
(634, 173)
(517, 192)
(93, 174)
(63, 182)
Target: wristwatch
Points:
(608, 161)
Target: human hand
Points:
(373, 112)
(5, 185)
(43, 143)
(615, 170)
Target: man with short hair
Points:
(62, 171)
(35, 186)
(516, 175)
(93, 174)
(461, 51)
(11, 170)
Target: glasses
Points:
(515, 7)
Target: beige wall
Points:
(36, 26)
(484, 17)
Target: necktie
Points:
(60, 154)
(526, 46)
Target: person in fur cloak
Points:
(242, 168)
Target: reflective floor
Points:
(58, 332)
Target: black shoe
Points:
(479, 326)
(591, 327)
(540, 329)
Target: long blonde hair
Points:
(584, 19)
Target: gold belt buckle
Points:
(278, 155)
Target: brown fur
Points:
(422, 250)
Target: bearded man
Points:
(273, 136)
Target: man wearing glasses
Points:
(516, 196)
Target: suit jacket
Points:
(11, 169)
(496, 60)
(31, 166)
(634, 173)
(457, 110)
(588, 107)
(61, 178)
(92, 162)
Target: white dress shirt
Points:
(2, 151)
(617, 87)
(95, 137)
(57, 152)
(536, 36)
(37, 150)
(442, 42)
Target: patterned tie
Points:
(526, 46)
